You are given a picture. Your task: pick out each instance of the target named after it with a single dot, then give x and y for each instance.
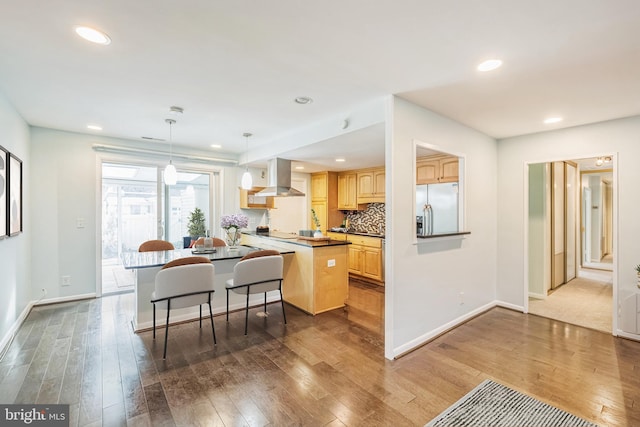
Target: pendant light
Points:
(246, 182)
(170, 173)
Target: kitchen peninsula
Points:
(316, 277)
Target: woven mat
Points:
(492, 404)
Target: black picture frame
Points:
(14, 199)
(4, 222)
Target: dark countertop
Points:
(359, 233)
(132, 260)
(432, 236)
(293, 239)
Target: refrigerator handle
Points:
(427, 221)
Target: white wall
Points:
(15, 275)
(620, 137)
(65, 187)
(423, 282)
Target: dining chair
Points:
(183, 282)
(257, 272)
(155, 245)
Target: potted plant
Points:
(316, 221)
(231, 224)
(638, 274)
(195, 227)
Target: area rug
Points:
(493, 405)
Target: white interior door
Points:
(557, 225)
(571, 220)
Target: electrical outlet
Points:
(44, 292)
(461, 295)
(66, 280)
(331, 263)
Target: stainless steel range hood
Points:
(279, 180)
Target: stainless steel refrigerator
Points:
(437, 204)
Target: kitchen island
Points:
(316, 277)
(147, 264)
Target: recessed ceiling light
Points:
(216, 146)
(489, 64)
(300, 168)
(94, 127)
(93, 35)
(551, 120)
(303, 100)
(340, 159)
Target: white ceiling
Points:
(236, 66)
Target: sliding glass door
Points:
(191, 191)
(136, 207)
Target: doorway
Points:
(569, 208)
(136, 207)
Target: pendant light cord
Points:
(171, 122)
(247, 135)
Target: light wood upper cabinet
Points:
(324, 200)
(248, 199)
(319, 186)
(347, 191)
(449, 169)
(371, 186)
(434, 169)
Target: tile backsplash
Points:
(370, 220)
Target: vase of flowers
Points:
(231, 224)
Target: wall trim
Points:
(435, 333)
(510, 306)
(63, 299)
(627, 335)
(8, 338)
(537, 295)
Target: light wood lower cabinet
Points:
(365, 255)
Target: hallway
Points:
(584, 301)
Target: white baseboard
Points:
(508, 305)
(423, 339)
(623, 334)
(64, 299)
(537, 295)
(8, 338)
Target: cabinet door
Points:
(449, 169)
(321, 213)
(372, 263)
(319, 186)
(427, 171)
(347, 192)
(355, 259)
(378, 183)
(343, 192)
(365, 184)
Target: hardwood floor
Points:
(322, 370)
